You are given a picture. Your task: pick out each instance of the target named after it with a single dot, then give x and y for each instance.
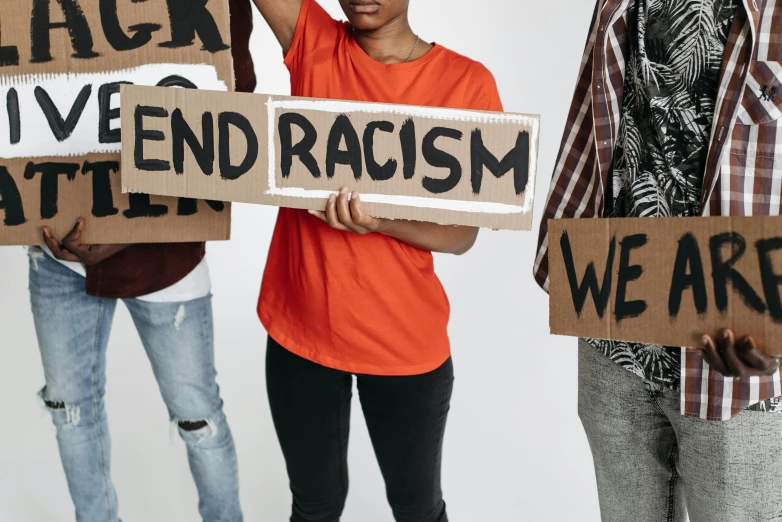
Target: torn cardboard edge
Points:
(294, 140)
(666, 281)
(59, 138)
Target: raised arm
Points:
(281, 15)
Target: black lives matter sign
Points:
(667, 280)
(62, 64)
(429, 164)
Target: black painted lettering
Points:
(102, 197)
(50, 183)
(517, 160)
(589, 284)
(189, 17)
(624, 309)
(75, 22)
(10, 200)
(409, 148)
(343, 129)
(105, 133)
(225, 121)
(217, 206)
(724, 273)
(376, 171)
(181, 133)
(771, 279)
(439, 158)
(186, 207)
(189, 206)
(14, 116)
(9, 56)
(62, 129)
(688, 255)
(176, 81)
(303, 149)
(141, 207)
(116, 35)
(142, 135)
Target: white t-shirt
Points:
(195, 285)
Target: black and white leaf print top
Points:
(671, 82)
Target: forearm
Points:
(444, 239)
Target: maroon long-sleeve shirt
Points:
(147, 268)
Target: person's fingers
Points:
(52, 243)
(727, 349)
(749, 353)
(320, 214)
(73, 240)
(361, 218)
(331, 214)
(343, 210)
(712, 356)
(75, 246)
(55, 247)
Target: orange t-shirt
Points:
(362, 304)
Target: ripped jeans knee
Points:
(204, 432)
(193, 425)
(66, 416)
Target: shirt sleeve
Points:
(482, 93)
(241, 30)
(574, 191)
(315, 29)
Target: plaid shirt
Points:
(742, 176)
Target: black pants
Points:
(406, 416)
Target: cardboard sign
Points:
(61, 66)
(667, 280)
(440, 165)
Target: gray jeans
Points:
(654, 465)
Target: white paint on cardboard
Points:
(37, 139)
(344, 107)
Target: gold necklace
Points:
(417, 39)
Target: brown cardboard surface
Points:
(654, 279)
(58, 56)
(440, 188)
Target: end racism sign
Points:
(428, 164)
(62, 63)
(667, 280)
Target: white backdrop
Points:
(514, 449)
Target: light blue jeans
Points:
(73, 332)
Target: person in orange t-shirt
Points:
(348, 294)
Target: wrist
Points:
(384, 226)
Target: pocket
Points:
(762, 101)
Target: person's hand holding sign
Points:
(72, 248)
(737, 359)
(343, 212)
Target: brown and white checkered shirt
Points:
(743, 175)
